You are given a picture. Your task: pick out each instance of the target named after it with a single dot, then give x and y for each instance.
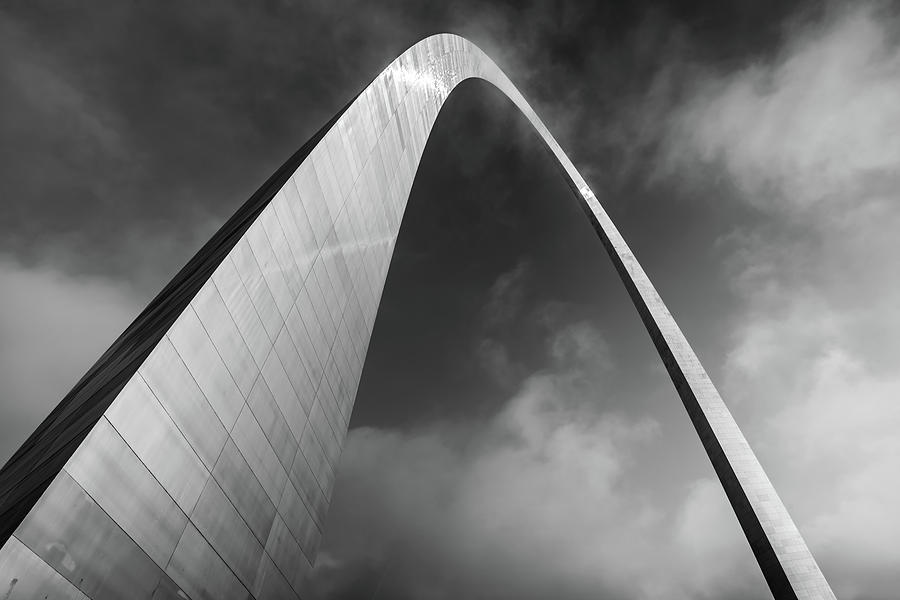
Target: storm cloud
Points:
(515, 434)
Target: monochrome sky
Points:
(515, 435)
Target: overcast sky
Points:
(515, 435)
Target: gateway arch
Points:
(197, 457)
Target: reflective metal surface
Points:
(72, 534)
(176, 390)
(242, 488)
(25, 576)
(208, 474)
(114, 477)
(200, 572)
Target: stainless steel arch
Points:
(196, 459)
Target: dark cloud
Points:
(127, 123)
(515, 434)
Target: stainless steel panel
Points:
(201, 572)
(348, 144)
(331, 414)
(381, 112)
(272, 272)
(325, 174)
(341, 352)
(340, 290)
(321, 345)
(343, 171)
(319, 297)
(285, 396)
(345, 231)
(406, 129)
(175, 388)
(315, 457)
(298, 231)
(107, 469)
(304, 481)
(220, 523)
(152, 435)
(202, 358)
(169, 590)
(359, 337)
(313, 199)
(288, 557)
(256, 450)
(24, 576)
(295, 370)
(304, 345)
(366, 122)
(72, 534)
(252, 276)
(270, 584)
(350, 339)
(330, 402)
(352, 228)
(299, 521)
(237, 299)
(356, 131)
(225, 335)
(280, 246)
(244, 490)
(324, 433)
(333, 303)
(271, 420)
(337, 265)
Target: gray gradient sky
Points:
(515, 435)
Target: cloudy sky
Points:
(514, 435)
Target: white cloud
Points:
(580, 344)
(506, 295)
(819, 124)
(495, 360)
(813, 139)
(826, 423)
(52, 327)
(537, 502)
(706, 547)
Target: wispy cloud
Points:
(812, 139)
(536, 502)
(503, 306)
(815, 124)
(52, 326)
(506, 295)
(808, 139)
